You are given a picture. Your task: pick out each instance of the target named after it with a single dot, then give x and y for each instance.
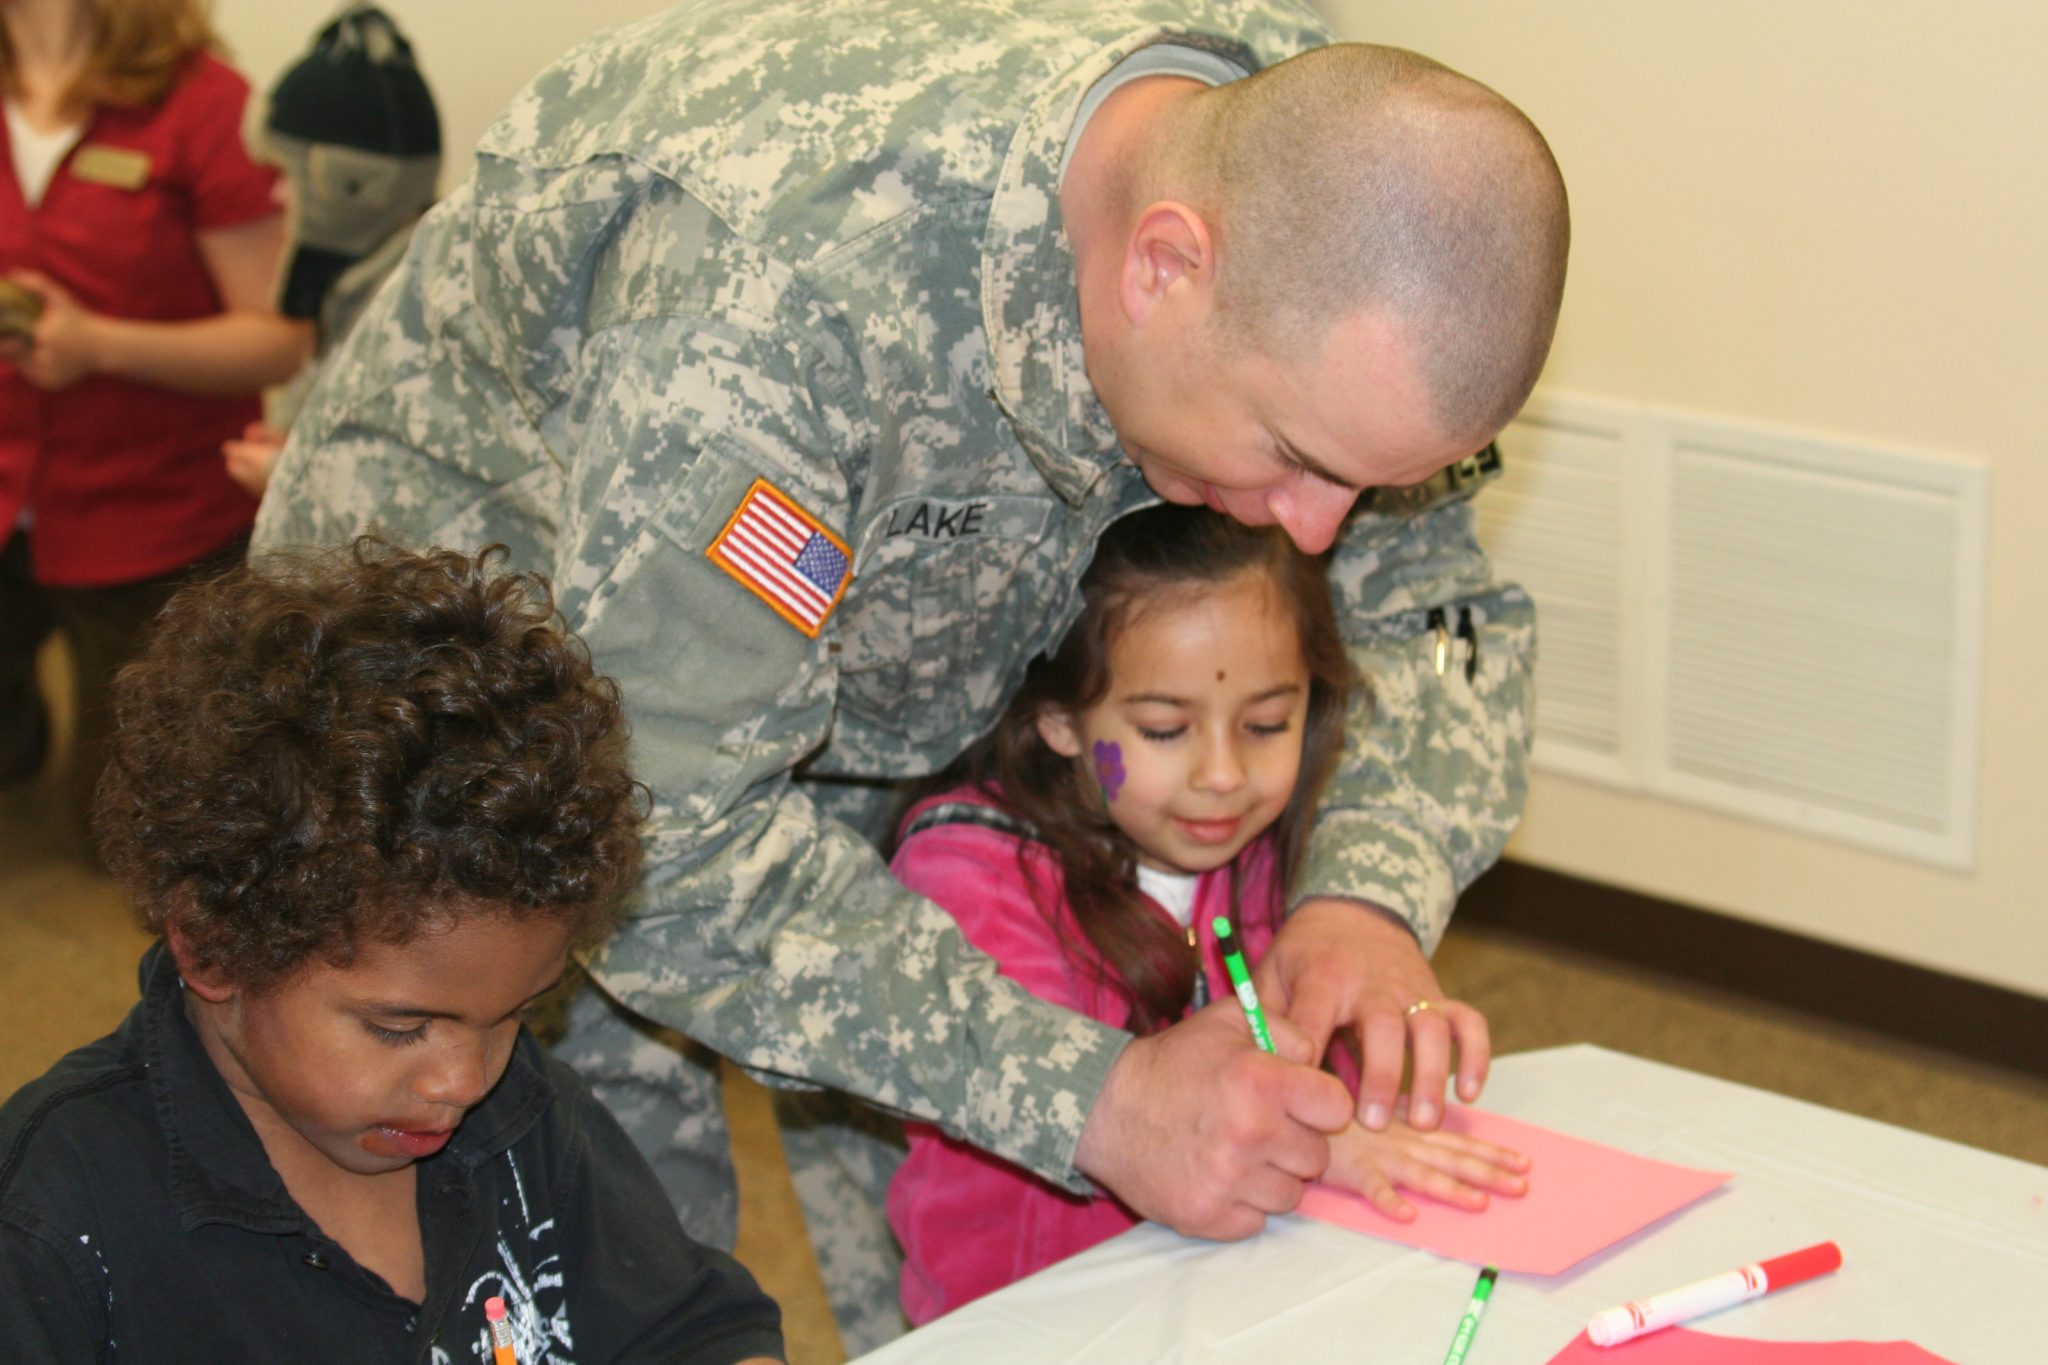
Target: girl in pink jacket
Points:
(1158, 770)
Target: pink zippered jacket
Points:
(971, 1222)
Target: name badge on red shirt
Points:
(122, 167)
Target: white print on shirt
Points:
(85, 1240)
(528, 1278)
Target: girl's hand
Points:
(63, 351)
(250, 457)
(1460, 1171)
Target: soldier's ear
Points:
(1170, 253)
(1056, 728)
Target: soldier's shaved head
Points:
(1360, 177)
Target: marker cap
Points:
(1795, 1266)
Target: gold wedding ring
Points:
(1417, 1008)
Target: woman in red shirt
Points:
(150, 242)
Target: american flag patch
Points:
(784, 556)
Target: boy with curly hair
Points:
(370, 800)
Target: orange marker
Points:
(501, 1332)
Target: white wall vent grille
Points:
(1558, 522)
(1775, 625)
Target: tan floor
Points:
(67, 961)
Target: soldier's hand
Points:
(1198, 1129)
(1338, 964)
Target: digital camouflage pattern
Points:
(818, 242)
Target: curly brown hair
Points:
(354, 745)
(1149, 556)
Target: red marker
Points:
(501, 1332)
(1613, 1326)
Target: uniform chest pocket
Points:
(949, 599)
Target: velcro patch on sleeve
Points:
(784, 556)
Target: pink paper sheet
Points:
(1582, 1198)
(1678, 1346)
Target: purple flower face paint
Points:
(1109, 767)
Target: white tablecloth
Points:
(1943, 1245)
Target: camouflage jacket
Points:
(761, 268)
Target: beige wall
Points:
(1829, 215)
(476, 54)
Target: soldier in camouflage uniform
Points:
(759, 329)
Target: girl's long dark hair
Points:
(1139, 560)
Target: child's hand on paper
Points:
(1460, 1171)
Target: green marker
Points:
(1469, 1324)
(1241, 982)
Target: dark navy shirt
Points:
(140, 1220)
